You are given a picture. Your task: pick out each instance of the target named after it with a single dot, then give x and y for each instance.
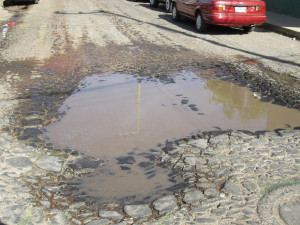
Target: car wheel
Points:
(248, 29)
(153, 3)
(168, 5)
(175, 13)
(200, 24)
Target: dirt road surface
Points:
(56, 27)
(47, 48)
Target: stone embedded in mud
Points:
(171, 150)
(233, 188)
(177, 186)
(32, 122)
(58, 217)
(126, 160)
(32, 131)
(125, 168)
(200, 143)
(110, 214)
(205, 185)
(50, 163)
(220, 139)
(20, 162)
(84, 163)
(211, 192)
(250, 186)
(165, 204)
(184, 101)
(99, 222)
(195, 150)
(190, 160)
(145, 164)
(194, 108)
(137, 211)
(193, 196)
(77, 205)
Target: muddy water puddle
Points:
(120, 117)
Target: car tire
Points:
(153, 3)
(248, 29)
(201, 26)
(168, 5)
(175, 13)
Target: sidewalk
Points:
(283, 24)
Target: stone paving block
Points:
(137, 211)
(193, 196)
(200, 143)
(50, 163)
(233, 188)
(110, 214)
(19, 162)
(164, 204)
(99, 222)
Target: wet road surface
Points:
(56, 44)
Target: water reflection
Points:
(114, 115)
(118, 115)
(235, 99)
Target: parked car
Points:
(247, 14)
(154, 3)
(11, 2)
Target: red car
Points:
(248, 14)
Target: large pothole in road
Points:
(124, 119)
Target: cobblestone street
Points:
(230, 176)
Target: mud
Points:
(45, 85)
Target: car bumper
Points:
(235, 20)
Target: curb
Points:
(282, 30)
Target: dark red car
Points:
(247, 14)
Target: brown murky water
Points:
(117, 115)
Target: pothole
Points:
(124, 120)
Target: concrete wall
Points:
(287, 7)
